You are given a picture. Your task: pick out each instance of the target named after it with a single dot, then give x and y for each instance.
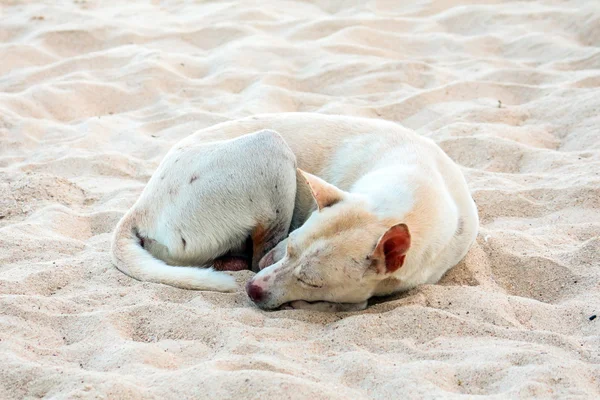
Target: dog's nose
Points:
(255, 292)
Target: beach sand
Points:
(93, 95)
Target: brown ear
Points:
(325, 194)
(391, 248)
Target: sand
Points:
(93, 94)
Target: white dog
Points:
(392, 211)
(210, 203)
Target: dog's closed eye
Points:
(307, 284)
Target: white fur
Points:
(385, 174)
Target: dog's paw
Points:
(273, 256)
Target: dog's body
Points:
(396, 211)
(204, 201)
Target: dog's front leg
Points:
(273, 256)
(264, 242)
(325, 306)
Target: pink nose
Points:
(255, 292)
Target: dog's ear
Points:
(391, 249)
(325, 194)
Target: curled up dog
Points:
(378, 210)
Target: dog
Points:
(217, 203)
(385, 210)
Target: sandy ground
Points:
(93, 94)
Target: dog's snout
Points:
(255, 292)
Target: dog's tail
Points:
(130, 257)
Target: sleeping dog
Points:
(380, 210)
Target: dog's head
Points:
(340, 254)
